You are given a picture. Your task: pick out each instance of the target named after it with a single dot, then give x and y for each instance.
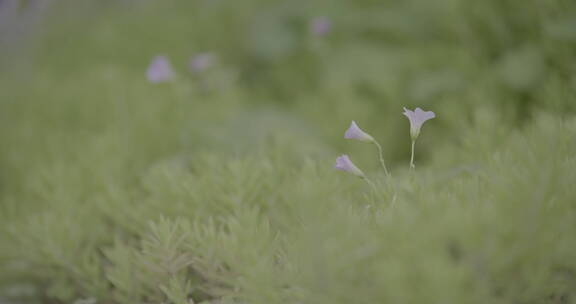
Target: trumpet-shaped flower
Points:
(160, 70)
(354, 132)
(345, 164)
(417, 118)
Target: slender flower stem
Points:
(372, 186)
(380, 155)
(412, 156)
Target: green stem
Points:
(381, 157)
(412, 156)
(372, 186)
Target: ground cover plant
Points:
(185, 152)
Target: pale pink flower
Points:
(417, 118)
(201, 62)
(354, 132)
(345, 164)
(160, 70)
(320, 26)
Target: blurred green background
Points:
(217, 186)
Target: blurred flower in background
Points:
(201, 62)
(160, 70)
(320, 26)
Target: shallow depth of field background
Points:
(219, 187)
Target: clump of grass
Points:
(252, 229)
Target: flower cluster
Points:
(417, 118)
(160, 69)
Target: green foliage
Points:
(219, 188)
